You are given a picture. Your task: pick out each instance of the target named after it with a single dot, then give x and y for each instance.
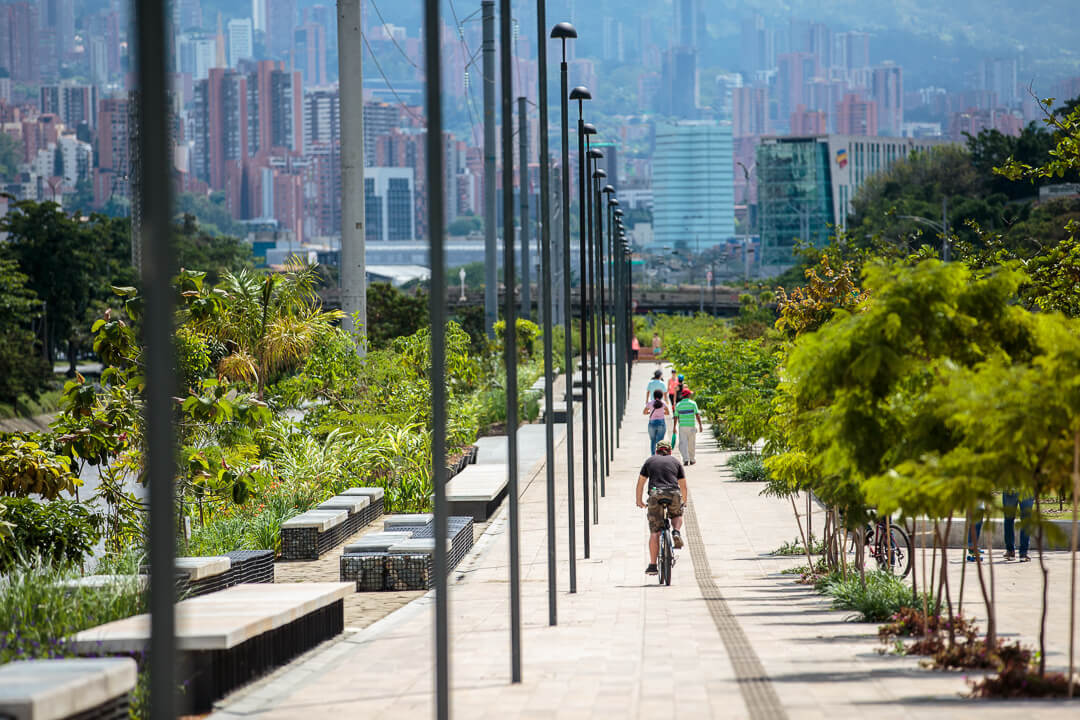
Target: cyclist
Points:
(666, 480)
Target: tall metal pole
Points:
(437, 310)
(592, 389)
(565, 31)
(351, 92)
(581, 94)
(510, 333)
(159, 261)
(491, 278)
(523, 189)
(601, 335)
(546, 291)
(945, 245)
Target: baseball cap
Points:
(663, 445)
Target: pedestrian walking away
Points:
(688, 418)
(666, 481)
(655, 384)
(656, 349)
(673, 388)
(656, 409)
(635, 347)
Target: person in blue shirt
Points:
(655, 384)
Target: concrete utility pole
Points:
(523, 182)
(491, 280)
(351, 91)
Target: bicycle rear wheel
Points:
(896, 556)
(666, 552)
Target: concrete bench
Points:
(310, 534)
(402, 559)
(478, 491)
(558, 412)
(231, 637)
(355, 505)
(375, 508)
(67, 688)
(132, 583)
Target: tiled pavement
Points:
(625, 647)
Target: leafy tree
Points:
(808, 308)
(214, 254)
(211, 211)
(392, 313)
(23, 368)
(992, 148)
(465, 225)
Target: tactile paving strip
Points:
(761, 700)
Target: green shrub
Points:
(883, 596)
(59, 530)
(40, 613)
(748, 467)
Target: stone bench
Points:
(205, 574)
(67, 688)
(478, 491)
(308, 535)
(231, 637)
(376, 506)
(401, 557)
(558, 412)
(355, 505)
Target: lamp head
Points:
(599, 174)
(618, 212)
(609, 189)
(595, 154)
(590, 129)
(580, 93)
(563, 31)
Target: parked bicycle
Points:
(889, 545)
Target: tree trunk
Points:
(945, 581)
(963, 568)
(925, 584)
(991, 633)
(73, 351)
(933, 568)
(1045, 587)
(914, 573)
(806, 545)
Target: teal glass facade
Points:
(794, 196)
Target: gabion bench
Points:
(402, 556)
(478, 490)
(72, 688)
(197, 576)
(315, 532)
(558, 412)
(231, 637)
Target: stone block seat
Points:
(312, 534)
(401, 557)
(205, 574)
(478, 490)
(558, 412)
(228, 638)
(98, 688)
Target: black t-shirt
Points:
(663, 471)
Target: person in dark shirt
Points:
(666, 479)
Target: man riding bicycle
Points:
(667, 482)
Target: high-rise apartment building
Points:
(258, 15)
(758, 45)
(58, 16)
(856, 116)
(678, 96)
(72, 103)
(322, 118)
(749, 111)
(379, 119)
(241, 36)
(19, 35)
(887, 89)
(111, 177)
(807, 122)
(220, 119)
(693, 185)
(280, 23)
(309, 53)
(689, 25)
(998, 75)
(286, 111)
(195, 54)
(794, 71)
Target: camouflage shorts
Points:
(656, 510)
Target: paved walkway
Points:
(731, 638)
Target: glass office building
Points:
(805, 185)
(693, 186)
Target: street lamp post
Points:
(461, 275)
(565, 31)
(619, 352)
(581, 94)
(608, 295)
(601, 336)
(592, 155)
(942, 227)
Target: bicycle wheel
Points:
(666, 552)
(896, 559)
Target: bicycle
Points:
(665, 560)
(894, 555)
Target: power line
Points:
(390, 35)
(389, 85)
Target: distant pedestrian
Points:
(688, 419)
(657, 351)
(673, 388)
(1010, 501)
(635, 347)
(656, 409)
(655, 384)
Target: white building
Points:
(693, 185)
(241, 40)
(195, 54)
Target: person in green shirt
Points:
(689, 422)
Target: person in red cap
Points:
(688, 418)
